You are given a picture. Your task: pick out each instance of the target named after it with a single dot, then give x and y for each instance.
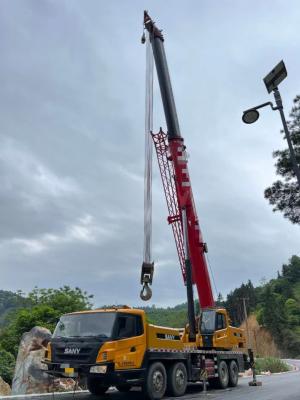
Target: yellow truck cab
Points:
(117, 347)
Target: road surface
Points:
(274, 387)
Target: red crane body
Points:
(173, 164)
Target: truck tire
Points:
(95, 387)
(176, 379)
(155, 384)
(221, 382)
(233, 373)
(123, 388)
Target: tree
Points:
(292, 271)
(220, 300)
(63, 300)
(272, 314)
(9, 302)
(47, 305)
(7, 365)
(284, 194)
(234, 302)
(23, 321)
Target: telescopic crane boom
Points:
(172, 159)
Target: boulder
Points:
(29, 377)
(5, 389)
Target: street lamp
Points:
(251, 115)
(272, 80)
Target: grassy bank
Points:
(271, 364)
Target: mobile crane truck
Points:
(117, 346)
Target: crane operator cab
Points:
(215, 331)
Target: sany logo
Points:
(170, 337)
(69, 350)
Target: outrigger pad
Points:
(257, 383)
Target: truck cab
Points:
(216, 332)
(106, 345)
(213, 331)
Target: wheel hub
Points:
(179, 378)
(223, 373)
(158, 381)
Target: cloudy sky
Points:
(72, 92)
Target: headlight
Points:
(98, 369)
(48, 352)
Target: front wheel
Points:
(95, 387)
(177, 380)
(155, 384)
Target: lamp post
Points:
(272, 80)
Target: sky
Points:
(72, 78)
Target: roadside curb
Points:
(39, 395)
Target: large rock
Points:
(29, 377)
(5, 389)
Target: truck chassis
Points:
(162, 371)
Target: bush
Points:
(7, 365)
(270, 364)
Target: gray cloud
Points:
(71, 142)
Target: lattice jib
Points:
(167, 175)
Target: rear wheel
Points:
(177, 379)
(95, 387)
(156, 381)
(233, 373)
(123, 388)
(222, 380)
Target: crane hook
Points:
(146, 292)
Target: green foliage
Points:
(284, 194)
(281, 308)
(24, 320)
(7, 365)
(174, 317)
(46, 306)
(276, 305)
(63, 300)
(271, 364)
(234, 302)
(9, 302)
(292, 310)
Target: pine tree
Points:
(284, 194)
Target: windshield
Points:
(208, 321)
(85, 325)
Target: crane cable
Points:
(148, 154)
(148, 266)
(212, 276)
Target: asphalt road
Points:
(274, 387)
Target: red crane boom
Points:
(173, 164)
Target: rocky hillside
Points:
(260, 339)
